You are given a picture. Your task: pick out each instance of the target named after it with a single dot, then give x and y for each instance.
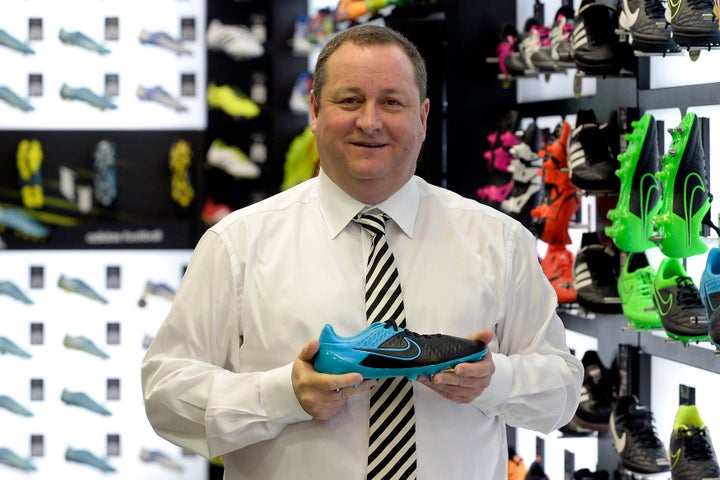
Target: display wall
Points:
(96, 70)
(668, 87)
(73, 332)
(104, 223)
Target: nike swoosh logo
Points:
(625, 289)
(693, 185)
(632, 16)
(675, 457)
(649, 196)
(618, 441)
(663, 305)
(674, 7)
(410, 351)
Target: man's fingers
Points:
(309, 351)
(351, 381)
(484, 336)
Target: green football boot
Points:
(640, 190)
(635, 286)
(686, 199)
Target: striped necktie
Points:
(391, 450)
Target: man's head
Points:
(369, 111)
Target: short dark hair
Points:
(363, 35)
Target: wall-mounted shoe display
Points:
(646, 24)
(685, 198)
(691, 450)
(86, 457)
(710, 294)
(598, 395)
(635, 286)
(678, 302)
(635, 438)
(640, 189)
(237, 41)
(596, 275)
(79, 287)
(81, 40)
(8, 346)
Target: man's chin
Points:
(369, 168)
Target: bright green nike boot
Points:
(635, 286)
(685, 202)
(640, 190)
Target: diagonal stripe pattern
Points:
(391, 451)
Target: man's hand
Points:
(466, 381)
(322, 395)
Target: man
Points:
(230, 371)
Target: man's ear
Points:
(314, 108)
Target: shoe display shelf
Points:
(506, 79)
(265, 80)
(659, 370)
(662, 366)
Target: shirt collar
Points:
(339, 208)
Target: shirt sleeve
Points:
(195, 394)
(537, 381)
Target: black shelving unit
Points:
(278, 70)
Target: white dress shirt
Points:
(264, 280)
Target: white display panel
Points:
(38, 77)
(584, 450)
(119, 328)
(556, 87)
(680, 70)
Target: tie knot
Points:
(372, 222)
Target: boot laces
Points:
(701, 4)
(688, 295)
(642, 423)
(655, 9)
(697, 446)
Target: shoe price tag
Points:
(258, 28)
(577, 84)
(258, 90)
(258, 93)
(258, 151)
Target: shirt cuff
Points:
(278, 397)
(500, 385)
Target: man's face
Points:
(369, 123)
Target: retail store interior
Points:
(128, 131)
